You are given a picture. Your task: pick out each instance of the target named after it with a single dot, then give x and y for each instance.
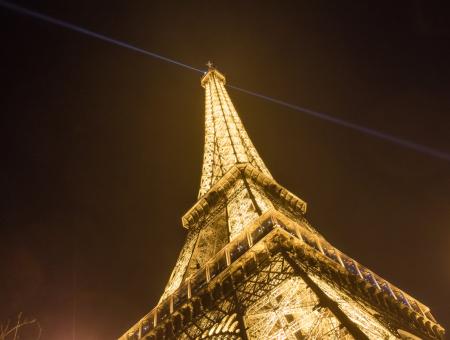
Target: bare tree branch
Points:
(8, 332)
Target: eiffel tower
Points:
(253, 267)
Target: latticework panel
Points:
(292, 311)
(180, 267)
(211, 239)
(280, 305)
(356, 312)
(220, 323)
(241, 208)
(241, 211)
(225, 329)
(263, 281)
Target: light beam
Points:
(368, 131)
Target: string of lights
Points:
(368, 131)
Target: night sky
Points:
(101, 147)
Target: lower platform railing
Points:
(243, 242)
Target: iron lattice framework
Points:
(252, 266)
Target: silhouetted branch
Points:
(8, 332)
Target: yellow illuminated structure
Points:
(253, 267)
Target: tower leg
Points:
(325, 301)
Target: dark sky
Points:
(101, 147)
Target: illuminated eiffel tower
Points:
(253, 267)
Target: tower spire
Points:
(226, 141)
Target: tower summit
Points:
(226, 141)
(253, 267)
